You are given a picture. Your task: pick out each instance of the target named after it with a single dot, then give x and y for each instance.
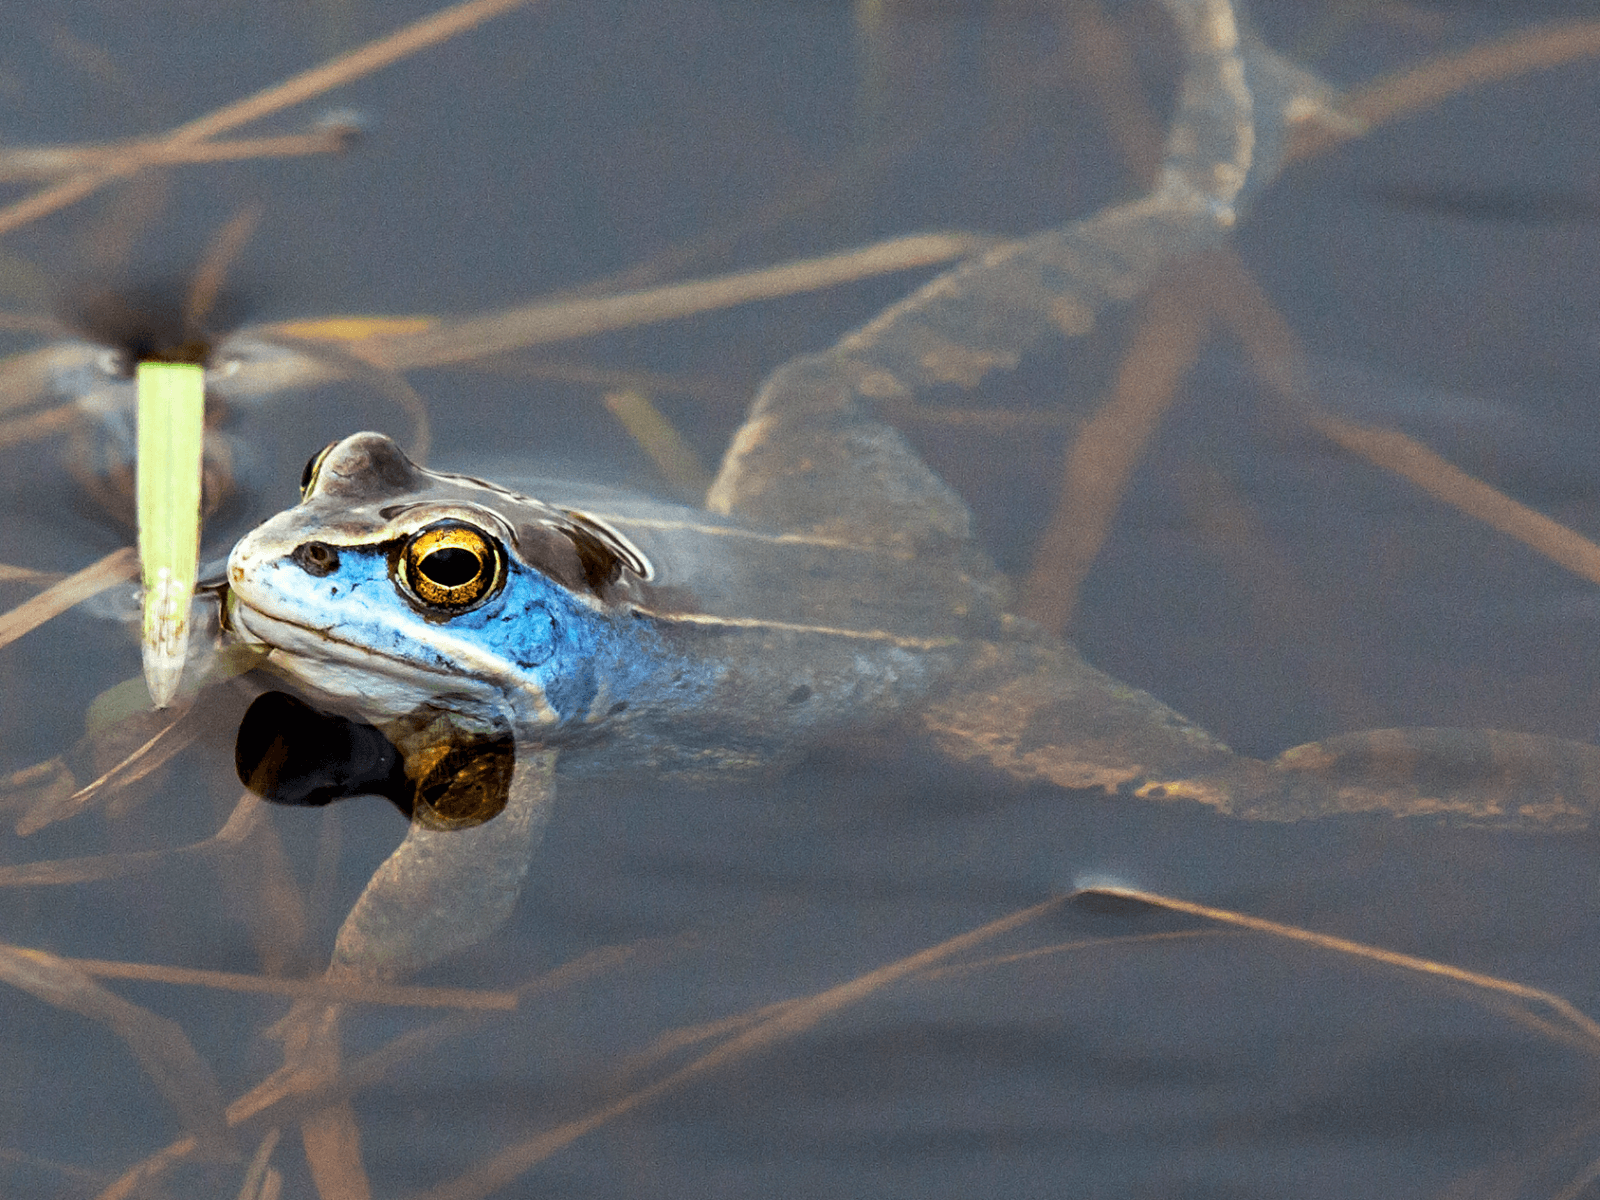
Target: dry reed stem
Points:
(61, 872)
(648, 426)
(160, 1045)
(11, 574)
(394, 995)
(1108, 447)
(332, 1140)
(35, 162)
(117, 567)
(1589, 1029)
(1037, 952)
(1399, 454)
(346, 68)
(38, 425)
(426, 342)
(260, 1163)
(792, 1019)
(561, 320)
(151, 755)
(1467, 75)
(132, 1182)
(223, 251)
(354, 360)
(1276, 355)
(56, 872)
(1408, 92)
(283, 1095)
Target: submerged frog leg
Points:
(1489, 777)
(445, 890)
(1037, 711)
(811, 456)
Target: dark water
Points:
(1440, 272)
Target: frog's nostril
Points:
(315, 558)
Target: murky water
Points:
(1265, 583)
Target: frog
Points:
(464, 644)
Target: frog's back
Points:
(718, 571)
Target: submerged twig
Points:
(1106, 450)
(34, 162)
(562, 320)
(116, 567)
(1423, 86)
(160, 1045)
(788, 1021)
(346, 68)
(287, 1094)
(57, 872)
(657, 437)
(1277, 357)
(1585, 1025)
(311, 989)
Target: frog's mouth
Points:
(322, 658)
(380, 683)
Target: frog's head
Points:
(397, 589)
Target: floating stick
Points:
(171, 430)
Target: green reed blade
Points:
(171, 431)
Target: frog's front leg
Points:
(445, 890)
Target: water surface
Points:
(1266, 584)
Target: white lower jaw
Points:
(368, 682)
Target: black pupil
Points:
(451, 567)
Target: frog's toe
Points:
(1473, 776)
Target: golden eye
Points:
(451, 566)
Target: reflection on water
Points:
(1269, 586)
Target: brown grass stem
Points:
(1407, 962)
(374, 56)
(791, 1020)
(1277, 356)
(126, 157)
(116, 567)
(1103, 456)
(310, 989)
(1421, 87)
(42, 424)
(561, 320)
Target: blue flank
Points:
(539, 632)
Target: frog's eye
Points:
(451, 567)
(308, 477)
